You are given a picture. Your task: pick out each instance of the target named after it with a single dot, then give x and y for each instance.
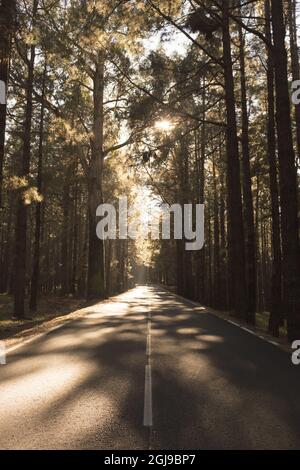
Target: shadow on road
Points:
(214, 386)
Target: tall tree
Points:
(276, 281)
(21, 220)
(247, 187)
(7, 15)
(292, 20)
(34, 288)
(235, 217)
(96, 268)
(288, 179)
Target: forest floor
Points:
(52, 310)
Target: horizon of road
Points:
(149, 370)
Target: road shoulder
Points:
(281, 343)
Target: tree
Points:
(7, 15)
(276, 281)
(235, 218)
(34, 288)
(287, 177)
(21, 220)
(250, 242)
(292, 22)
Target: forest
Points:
(163, 101)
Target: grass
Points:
(262, 323)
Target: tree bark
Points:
(21, 222)
(203, 140)
(37, 235)
(250, 241)
(96, 268)
(7, 15)
(65, 240)
(288, 179)
(75, 237)
(294, 61)
(235, 216)
(276, 277)
(216, 245)
(223, 250)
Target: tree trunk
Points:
(216, 245)
(21, 222)
(96, 268)
(7, 15)
(288, 179)
(223, 251)
(37, 236)
(209, 283)
(108, 265)
(276, 278)
(8, 248)
(235, 215)
(247, 191)
(66, 249)
(203, 140)
(75, 238)
(294, 61)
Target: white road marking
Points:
(148, 347)
(249, 331)
(36, 337)
(227, 320)
(148, 421)
(273, 342)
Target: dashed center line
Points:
(148, 397)
(148, 347)
(148, 419)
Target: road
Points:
(147, 370)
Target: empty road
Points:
(147, 370)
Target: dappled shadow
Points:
(240, 392)
(214, 386)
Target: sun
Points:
(164, 125)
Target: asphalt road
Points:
(148, 370)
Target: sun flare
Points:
(164, 125)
